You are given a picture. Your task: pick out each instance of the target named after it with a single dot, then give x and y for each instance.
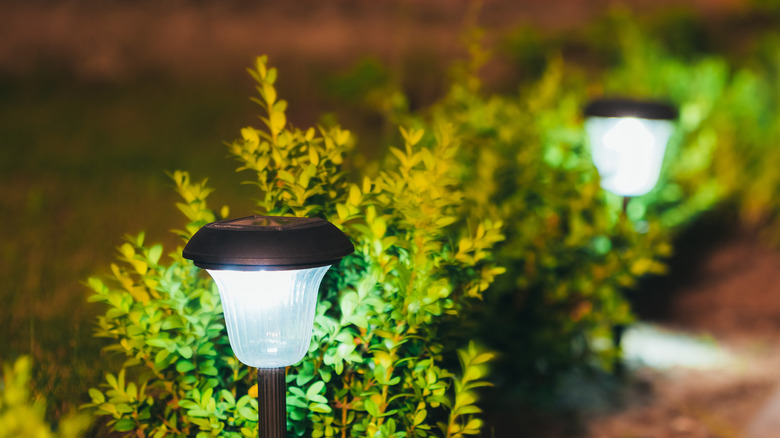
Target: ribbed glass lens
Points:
(269, 314)
(628, 152)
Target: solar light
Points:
(628, 140)
(268, 270)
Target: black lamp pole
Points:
(271, 404)
(622, 107)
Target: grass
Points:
(81, 165)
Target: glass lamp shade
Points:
(628, 140)
(268, 270)
(269, 314)
(628, 152)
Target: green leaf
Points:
(371, 408)
(348, 303)
(160, 357)
(124, 425)
(124, 408)
(111, 380)
(248, 413)
(228, 397)
(270, 76)
(277, 120)
(208, 370)
(297, 391)
(96, 395)
(185, 352)
(315, 389)
(158, 342)
(154, 253)
(320, 408)
(269, 93)
(198, 413)
(286, 176)
(354, 195)
(342, 211)
(419, 417)
(188, 404)
(184, 366)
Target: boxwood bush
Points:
(383, 359)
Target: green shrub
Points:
(571, 257)
(725, 150)
(570, 254)
(22, 412)
(696, 84)
(492, 194)
(380, 361)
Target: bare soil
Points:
(732, 295)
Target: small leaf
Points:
(342, 211)
(371, 407)
(315, 389)
(286, 176)
(154, 253)
(248, 413)
(270, 76)
(354, 195)
(269, 93)
(228, 397)
(420, 417)
(158, 342)
(185, 352)
(188, 404)
(277, 120)
(198, 413)
(314, 157)
(124, 425)
(96, 395)
(320, 408)
(184, 366)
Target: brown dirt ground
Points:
(733, 296)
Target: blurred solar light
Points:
(646, 345)
(628, 140)
(268, 270)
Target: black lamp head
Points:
(257, 243)
(622, 107)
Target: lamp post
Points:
(268, 270)
(628, 140)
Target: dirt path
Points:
(735, 298)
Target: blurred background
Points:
(100, 98)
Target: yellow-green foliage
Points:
(569, 253)
(696, 85)
(380, 359)
(377, 353)
(22, 412)
(166, 319)
(490, 195)
(728, 129)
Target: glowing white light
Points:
(646, 345)
(269, 314)
(628, 152)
